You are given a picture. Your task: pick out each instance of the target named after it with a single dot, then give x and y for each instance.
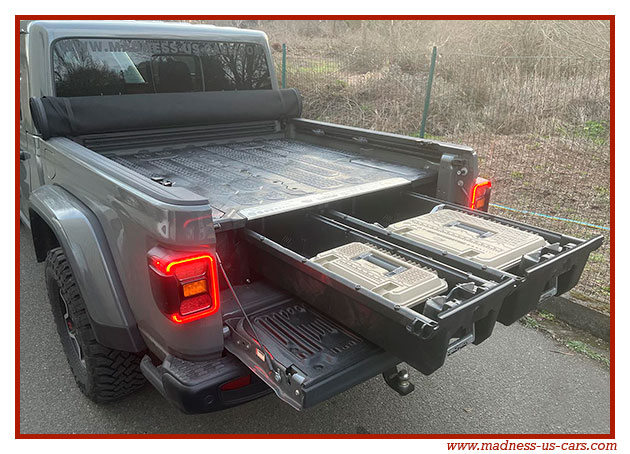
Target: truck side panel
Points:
(132, 223)
(79, 234)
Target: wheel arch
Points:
(58, 219)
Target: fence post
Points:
(284, 65)
(427, 96)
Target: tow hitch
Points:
(398, 380)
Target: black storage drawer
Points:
(553, 271)
(280, 249)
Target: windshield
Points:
(92, 67)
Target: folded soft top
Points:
(71, 117)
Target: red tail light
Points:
(185, 287)
(480, 195)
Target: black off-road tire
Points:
(102, 374)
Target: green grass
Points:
(546, 315)
(426, 136)
(530, 322)
(602, 191)
(432, 137)
(595, 131)
(596, 257)
(584, 349)
(547, 322)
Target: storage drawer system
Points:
(421, 335)
(417, 277)
(547, 263)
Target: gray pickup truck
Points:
(200, 235)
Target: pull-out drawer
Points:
(463, 308)
(294, 252)
(542, 263)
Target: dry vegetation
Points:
(588, 39)
(532, 97)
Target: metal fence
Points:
(540, 126)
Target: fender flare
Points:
(82, 239)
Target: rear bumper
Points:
(195, 387)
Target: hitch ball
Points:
(398, 380)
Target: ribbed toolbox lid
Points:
(486, 242)
(393, 278)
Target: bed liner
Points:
(262, 177)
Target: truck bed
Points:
(261, 177)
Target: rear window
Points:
(92, 67)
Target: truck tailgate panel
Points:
(303, 355)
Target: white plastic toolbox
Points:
(480, 240)
(391, 277)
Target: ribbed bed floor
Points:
(262, 177)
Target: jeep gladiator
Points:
(181, 206)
